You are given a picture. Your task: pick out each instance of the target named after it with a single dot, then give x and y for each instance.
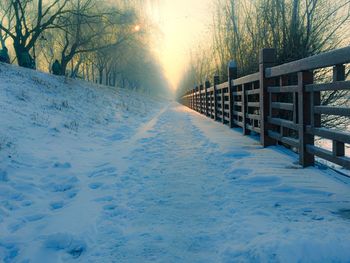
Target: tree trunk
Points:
(24, 58)
(93, 72)
(64, 64)
(101, 76)
(107, 77)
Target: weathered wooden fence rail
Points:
(281, 103)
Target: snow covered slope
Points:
(53, 131)
(88, 174)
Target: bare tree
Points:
(88, 28)
(31, 19)
(295, 28)
(6, 17)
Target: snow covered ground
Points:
(88, 174)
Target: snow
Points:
(91, 174)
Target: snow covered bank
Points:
(138, 180)
(52, 133)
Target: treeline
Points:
(240, 28)
(106, 42)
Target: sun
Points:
(137, 28)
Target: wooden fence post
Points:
(193, 98)
(201, 102)
(232, 74)
(216, 82)
(207, 86)
(196, 96)
(338, 75)
(304, 105)
(267, 59)
(244, 110)
(222, 106)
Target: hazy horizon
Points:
(182, 24)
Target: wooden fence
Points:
(281, 103)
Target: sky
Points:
(183, 24)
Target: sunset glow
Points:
(182, 24)
(137, 28)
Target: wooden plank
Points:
(232, 74)
(338, 85)
(295, 112)
(222, 86)
(329, 110)
(328, 155)
(244, 110)
(246, 79)
(304, 112)
(253, 116)
(329, 134)
(206, 95)
(253, 92)
(287, 140)
(284, 89)
(238, 123)
(283, 123)
(282, 106)
(215, 95)
(238, 113)
(338, 147)
(327, 59)
(253, 128)
(267, 58)
(223, 105)
(253, 104)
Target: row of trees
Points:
(240, 28)
(97, 40)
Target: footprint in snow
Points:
(307, 191)
(107, 198)
(107, 171)
(64, 185)
(237, 173)
(3, 176)
(95, 185)
(116, 137)
(18, 224)
(109, 207)
(26, 203)
(145, 140)
(237, 154)
(35, 217)
(66, 243)
(261, 180)
(65, 165)
(56, 205)
(10, 251)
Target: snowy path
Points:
(177, 202)
(179, 188)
